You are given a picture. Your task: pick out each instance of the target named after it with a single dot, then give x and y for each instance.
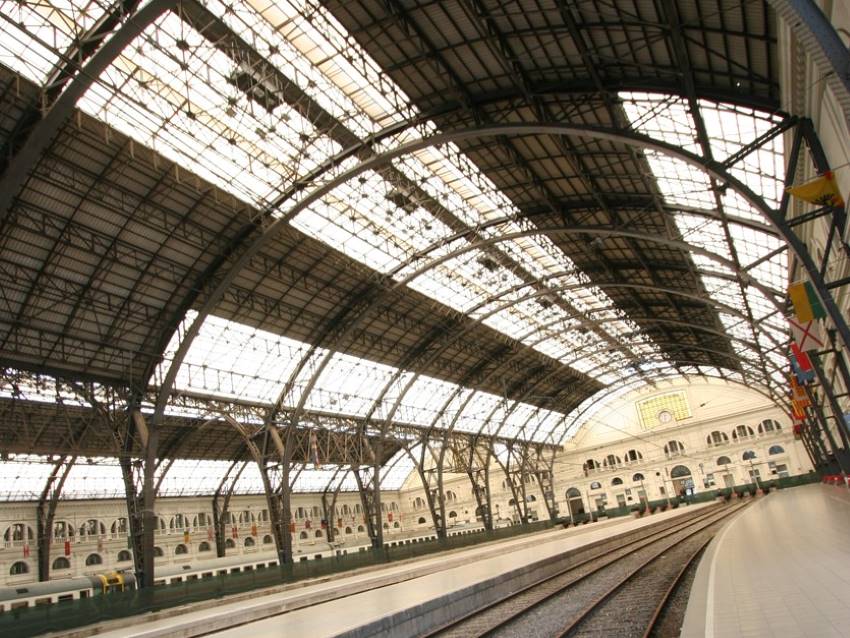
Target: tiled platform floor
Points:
(781, 568)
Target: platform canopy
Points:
(462, 216)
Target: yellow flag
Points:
(822, 191)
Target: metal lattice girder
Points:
(221, 504)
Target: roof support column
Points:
(221, 504)
(46, 510)
(544, 473)
(274, 463)
(368, 483)
(837, 413)
(811, 451)
(822, 425)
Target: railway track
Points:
(620, 593)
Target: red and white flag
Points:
(808, 335)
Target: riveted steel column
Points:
(46, 510)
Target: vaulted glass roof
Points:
(282, 124)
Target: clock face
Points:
(664, 417)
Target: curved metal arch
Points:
(601, 232)
(715, 169)
(46, 130)
(659, 374)
(659, 357)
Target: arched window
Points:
(769, 425)
(18, 532)
(717, 438)
(723, 460)
(201, 520)
(360, 528)
(638, 477)
(776, 449)
(633, 455)
(267, 539)
(679, 471)
(300, 513)
(531, 498)
(61, 563)
(418, 503)
(742, 432)
(348, 530)
(590, 464)
(181, 549)
(573, 493)
(595, 485)
(611, 461)
(119, 526)
(421, 521)
(616, 481)
(249, 541)
(229, 544)
(674, 448)
(157, 551)
(452, 514)
(124, 556)
(396, 525)
(94, 559)
(263, 516)
(62, 530)
(512, 502)
(386, 525)
(749, 454)
(178, 522)
(302, 535)
(204, 547)
(92, 527)
(451, 496)
(18, 568)
(357, 508)
(345, 510)
(318, 533)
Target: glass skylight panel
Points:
(35, 35)
(175, 92)
(729, 129)
(234, 360)
(350, 385)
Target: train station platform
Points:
(779, 568)
(396, 598)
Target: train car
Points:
(54, 591)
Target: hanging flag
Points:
(808, 335)
(802, 359)
(234, 532)
(307, 524)
(390, 517)
(798, 410)
(185, 535)
(253, 529)
(26, 550)
(324, 523)
(798, 393)
(67, 548)
(822, 190)
(292, 528)
(805, 300)
(798, 430)
(209, 534)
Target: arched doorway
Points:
(574, 502)
(682, 481)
